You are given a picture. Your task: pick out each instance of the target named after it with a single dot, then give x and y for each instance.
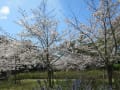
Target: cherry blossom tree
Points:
(41, 27)
(100, 34)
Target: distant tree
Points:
(15, 53)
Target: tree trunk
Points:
(109, 73)
(50, 77)
(15, 80)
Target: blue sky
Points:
(9, 11)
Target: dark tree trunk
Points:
(109, 73)
(50, 77)
(49, 71)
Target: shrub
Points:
(116, 66)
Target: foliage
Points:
(116, 66)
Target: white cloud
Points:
(4, 12)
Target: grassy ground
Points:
(28, 81)
(23, 85)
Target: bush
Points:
(116, 66)
(31, 75)
(61, 75)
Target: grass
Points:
(24, 85)
(29, 84)
(29, 80)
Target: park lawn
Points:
(27, 84)
(28, 81)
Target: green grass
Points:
(29, 80)
(29, 84)
(23, 85)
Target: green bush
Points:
(61, 75)
(31, 75)
(116, 66)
